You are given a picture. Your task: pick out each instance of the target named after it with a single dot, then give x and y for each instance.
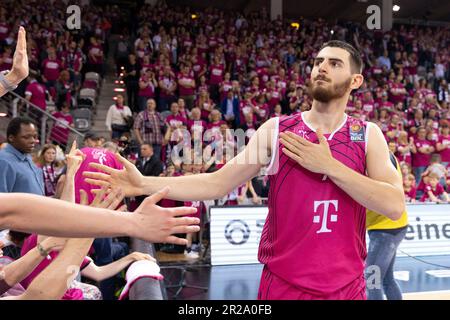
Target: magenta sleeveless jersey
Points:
(314, 235)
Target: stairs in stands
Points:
(107, 93)
(104, 102)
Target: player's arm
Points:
(215, 185)
(382, 190)
(204, 186)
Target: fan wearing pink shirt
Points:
(95, 56)
(215, 119)
(255, 88)
(73, 62)
(93, 155)
(261, 109)
(6, 59)
(404, 147)
(213, 133)
(434, 191)
(273, 95)
(195, 123)
(60, 131)
(30, 243)
(186, 86)
(4, 29)
(216, 74)
(51, 68)
(246, 106)
(175, 119)
(422, 151)
(225, 86)
(369, 105)
(443, 143)
(35, 92)
(79, 290)
(416, 122)
(147, 88)
(205, 104)
(167, 86)
(281, 81)
(263, 77)
(198, 65)
(203, 85)
(409, 188)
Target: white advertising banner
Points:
(235, 234)
(428, 231)
(236, 231)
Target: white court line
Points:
(401, 275)
(426, 292)
(439, 273)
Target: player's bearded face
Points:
(323, 89)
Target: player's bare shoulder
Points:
(375, 140)
(267, 133)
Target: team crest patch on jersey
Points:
(356, 132)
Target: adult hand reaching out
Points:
(129, 179)
(20, 68)
(104, 198)
(150, 222)
(74, 159)
(160, 224)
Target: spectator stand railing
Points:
(146, 288)
(14, 105)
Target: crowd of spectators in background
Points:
(186, 69)
(226, 70)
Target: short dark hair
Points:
(92, 136)
(356, 63)
(145, 143)
(15, 124)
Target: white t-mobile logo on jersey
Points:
(333, 217)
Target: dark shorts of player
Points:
(273, 287)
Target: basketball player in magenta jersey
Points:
(326, 168)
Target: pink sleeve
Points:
(414, 192)
(85, 263)
(28, 244)
(117, 165)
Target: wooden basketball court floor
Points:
(420, 278)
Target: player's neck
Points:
(327, 116)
